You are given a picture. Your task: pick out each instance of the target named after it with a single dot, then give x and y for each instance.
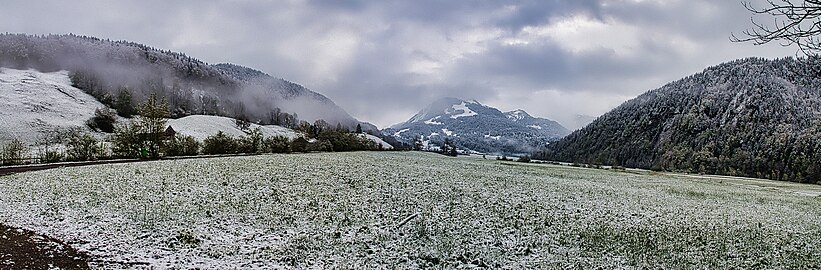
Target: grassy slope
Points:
(342, 210)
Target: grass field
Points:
(412, 210)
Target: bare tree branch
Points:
(794, 23)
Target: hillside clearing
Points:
(35, 103)
(410, 210)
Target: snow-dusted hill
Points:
(35, 103)
(202, 126)
(119, 73)
(750, 117)
(477, 127)
(378, 141)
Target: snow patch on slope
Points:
(465, 111)
(378, 141)
(516, 115)
(202, 126)
(34, 103)
(399, 133)
(432, 121)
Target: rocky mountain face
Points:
(474, 126)
(751, 117)
(122, 74)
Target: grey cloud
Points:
(369, 75)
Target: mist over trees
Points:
(122, 74)
(750, 117)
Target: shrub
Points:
(103, 120)
(320, 146)
(182, 146)
(82, 146)
(299, 145)
(219, 143)
(51, 157)
(251, 143)
(524, 159)
(277, 144)
(13, 152)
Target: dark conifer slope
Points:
(751, 117)
(121, 74)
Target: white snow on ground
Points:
(34, 103)
(535, 126)
(433, 122)
(342, 210)
(202, 126)
(378, 141)
(460, 107)
(492, 137)
(434, 134)
(398, 133)
(447, 132)
(516, 115)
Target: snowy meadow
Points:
(412, 210)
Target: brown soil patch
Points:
(22, 249)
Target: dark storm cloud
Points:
(384, 60)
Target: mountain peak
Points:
(448, 107)
(477, 127)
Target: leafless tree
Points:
(794, 23)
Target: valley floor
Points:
(411, 210)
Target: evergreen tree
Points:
(153, 117)
(124, 104)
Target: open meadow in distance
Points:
(412, 210)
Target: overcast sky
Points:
(384, 60)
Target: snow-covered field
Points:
(410, 210)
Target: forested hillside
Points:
(122, 74)
(751, 117)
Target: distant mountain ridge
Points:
(105, 69)
(750, 117)
(472, 125)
